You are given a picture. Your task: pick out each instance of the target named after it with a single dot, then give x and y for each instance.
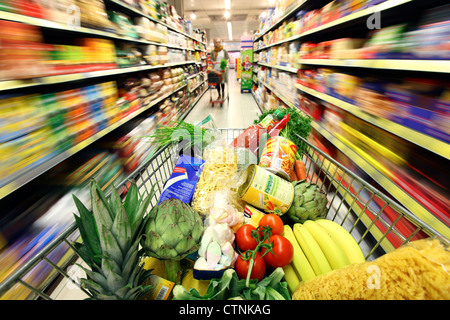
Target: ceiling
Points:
(210, 16)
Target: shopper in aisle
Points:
(217, 55)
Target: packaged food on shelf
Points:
(123, 24)
(150, 31)
(27, 56)
(93, 14)
(22, 53)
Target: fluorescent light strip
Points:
(230, 33)
(227, 4)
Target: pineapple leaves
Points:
(131, 202)
(121, 227)
(81, 250)
(111, 232)
(88, 230)
(100, 207)
(138, 220)
(110, 245)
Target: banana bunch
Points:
(320, 246)
(310, 202)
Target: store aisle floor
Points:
(239, 112)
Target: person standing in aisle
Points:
(217, 55)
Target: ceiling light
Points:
(271, 1)
(230, 33)
(227, 4)
(227, 14)
(193, 16)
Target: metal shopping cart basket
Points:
(213, 79)
(377, 223)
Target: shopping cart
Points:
(378, 223)
(214, 78)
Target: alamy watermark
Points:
(73, 20)
(373, 22)
(373, 280)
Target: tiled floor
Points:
(239, 112)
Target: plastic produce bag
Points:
(220, 172)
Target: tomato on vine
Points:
(245, 237)
(258, 270)
(282, 251)
(273, 221)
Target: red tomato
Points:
(274, 222)
(244, 239)
(258, 270)
(283, 251)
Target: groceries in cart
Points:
(273, 219)
(241, 219)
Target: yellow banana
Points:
(345, 239)
(332, 250)
(315, 256)
(299, 261)
(291, 278)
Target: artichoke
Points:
(172, 231)
(310, 202)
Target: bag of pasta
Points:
(220, 172)
(416, 270)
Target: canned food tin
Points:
(266, 191)
(252, 215)
(278, 156)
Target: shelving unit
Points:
(12, 187)
(425, 141)
(25, 177)
(19, 84)
(366, 162)
(364, 13)
(440, 66)
(16, 85)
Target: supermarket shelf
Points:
(427, 142)
(442, 66)
(47, 24)
(136, 11)
(19, 84)
(261, 108)
(288, 69)
(192, 90)
(389, 4)
(279, 95)
(194, 75)
(284, 17)
(193, 104)
(356, 155)
(25, 177)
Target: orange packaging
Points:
(278, 156)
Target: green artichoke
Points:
(172, 231)
(310, 202)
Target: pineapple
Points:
(110, 244)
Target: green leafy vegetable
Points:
(223, 64)
(230, 287)
(181, 131)
(298, 124)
